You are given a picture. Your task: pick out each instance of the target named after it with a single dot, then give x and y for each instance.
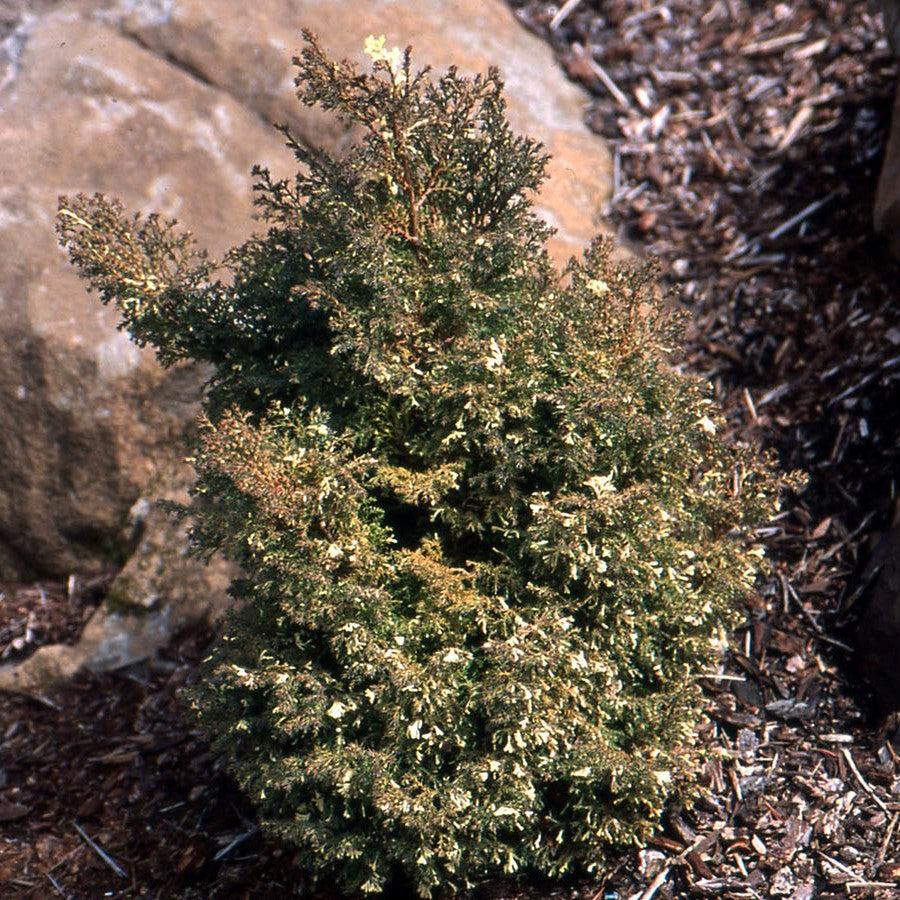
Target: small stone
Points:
(795, 664)
(804, 892)
(651, 862)
(783, 883)
(747, 741)
(790, 710)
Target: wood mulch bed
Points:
(47, 612)
(747, 138)
(108, 792)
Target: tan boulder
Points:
(166, 104)
(247, 52)
(85, 417)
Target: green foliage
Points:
(489, 536)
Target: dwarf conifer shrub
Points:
(489, 536)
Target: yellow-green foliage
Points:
(489, 536)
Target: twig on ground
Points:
(563, 14)
(608, 83)
(236, 842)
(656, 884)
(801, 216)
(838, 864)
(773, 44)
(882, 850)
(100, 852)
(795, 127)
(56, 886)
(862, 781)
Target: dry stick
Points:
(100, 852)
(748, 399)
(776, 43)
(882, 851)
(46, 701)
(704, 841)
(608, 83)
(56, 886)
(870, 884)
(796, 125)
(563, 14)
(838, 864)
(865, 784)
(656, 884)
(609, 874)
(237, 841)
(812, 49)
(801, 216)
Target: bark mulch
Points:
(106, 791)
(747, 138)
(49, 612)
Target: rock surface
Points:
(248, 54)
(166, 104)
(878, 635)
(86, 419)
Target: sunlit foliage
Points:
(489, 536)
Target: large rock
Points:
(166, 104)
(248, 52)
(160, 591)
(86, 419)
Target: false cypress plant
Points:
(489, 537)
